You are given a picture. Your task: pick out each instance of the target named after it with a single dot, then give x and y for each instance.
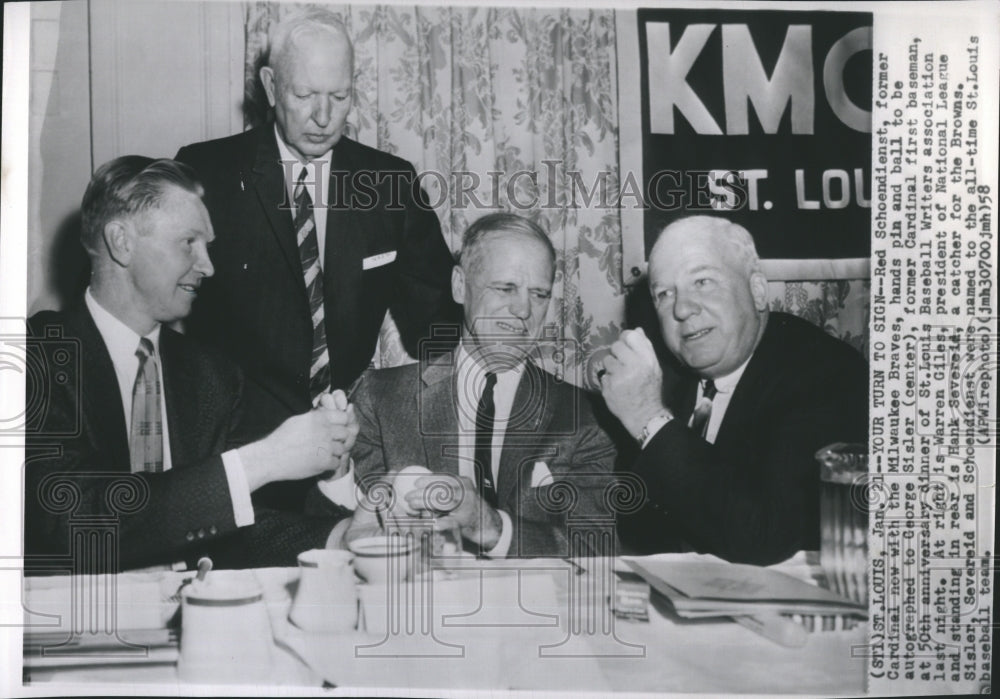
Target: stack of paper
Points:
(102, 620)
(706, 588)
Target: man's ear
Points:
(267, 78)
(119, 242)
(458, 284)
(758, 289)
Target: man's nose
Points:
(520, 306)
(203, 263)
(321, 111)
(685, 306)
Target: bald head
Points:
(709, 293)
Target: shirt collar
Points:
(472, 373)
(727, 383)
(287, 155)
(121, 340)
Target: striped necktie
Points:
(703, 411)
(305, 235)
(146, 432)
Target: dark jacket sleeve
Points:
(422, 298)
(77, 481)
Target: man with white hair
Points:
(316, 234)
(727, 457)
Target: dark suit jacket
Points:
(753, 495)
(409, 416)
(77, 452)
(255, 307)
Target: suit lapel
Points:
(269, 182)
(683, 405)
(438, 413)
(753, 384)
(180, 387)
(345, 238)
(530, 417)
(99, 393)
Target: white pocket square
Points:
(383, 258)
(540, 475)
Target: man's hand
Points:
(302, 446)
(458, 496)
(338, 401)
(632, 381)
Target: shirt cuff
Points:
(653, 426)
(341, 490)
(506, 536)
(239, 489)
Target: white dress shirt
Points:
(724, 387)
(122, 343)
(470, 380)
(317, 183)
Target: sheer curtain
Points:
(516, 108)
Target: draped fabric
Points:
(516, 109)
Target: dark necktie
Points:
(703, 411)
(146, 432)
(305, 235)
(484, 442)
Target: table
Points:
(538, 624)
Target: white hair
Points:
(281, 37)
(737, 237)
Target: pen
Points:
(349, 393)
(354, 387)
(774, 627)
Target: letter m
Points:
(745, 79)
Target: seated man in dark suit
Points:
(518, 455)
(728, 456)
(143, 433)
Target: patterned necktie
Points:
(484, 442)
(146, 433)
(305, 235)
(703, 411)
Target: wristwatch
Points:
(653, 426)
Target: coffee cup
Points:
(326, 599)
(385, 558)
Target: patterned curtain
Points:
(508, 108)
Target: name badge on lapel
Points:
(379, 260)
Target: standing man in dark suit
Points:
(517, 454)
(316, 234)
(143, 431)
(728, 457)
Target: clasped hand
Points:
(304, 445)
